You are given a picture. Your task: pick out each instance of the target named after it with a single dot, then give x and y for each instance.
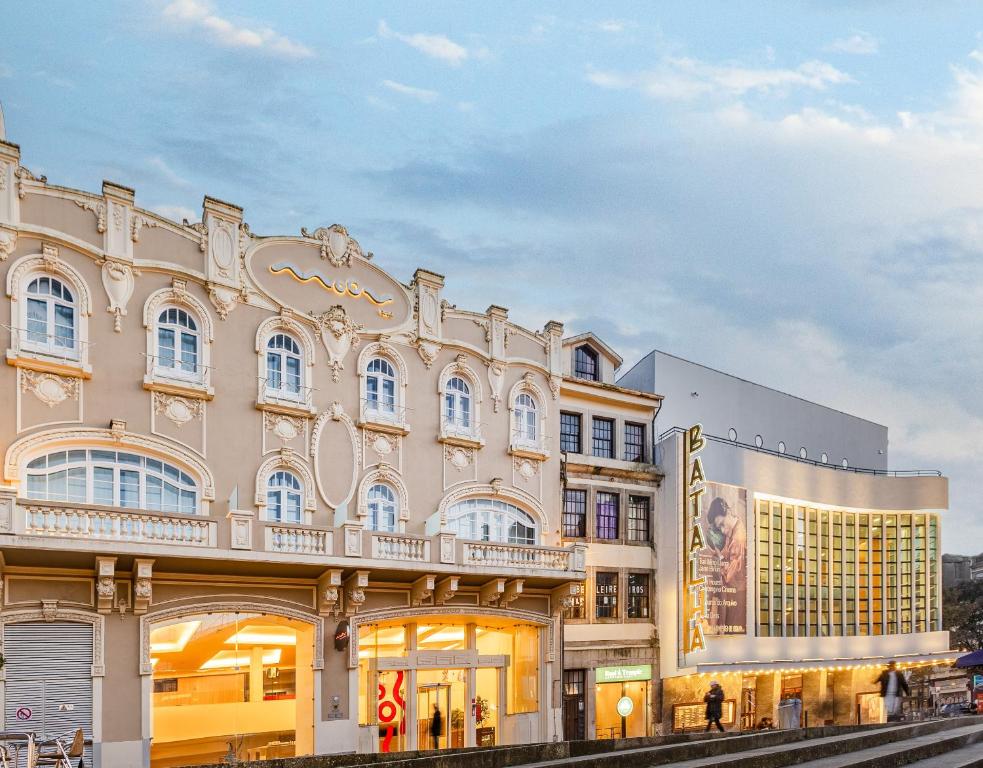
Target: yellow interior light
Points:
(229, 659)
(173, 637)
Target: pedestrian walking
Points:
(893, 684)
(436, 726)
(715, 705)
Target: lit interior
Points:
(220, 678)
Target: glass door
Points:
(441, 696)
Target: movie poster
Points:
(723, 559)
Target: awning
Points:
(813, 665)
(974, 659)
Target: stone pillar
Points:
(256, 674)
(767, 691)
(815, 698)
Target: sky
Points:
(789, 192)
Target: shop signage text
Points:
(626, 674)
(694, 585)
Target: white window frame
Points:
(520, 441)
(383, 474)
(288, 324)
(277, 484)
(179, 331)
(495, 515)
(178, 296)
(376, 505)
(89, 464)
(289, 461)
(283, 391)
(451, 429)
(50, 345)
(396, 418)
(21, 274)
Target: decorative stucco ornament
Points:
(223, 299)
(49, 388)
(337, 246)
(117, 279)
(8, 237)
(339, 333)
(428, 351)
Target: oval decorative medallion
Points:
(285, 428)
(51, 391)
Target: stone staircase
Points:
(950, 743)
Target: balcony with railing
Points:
(59, 352)
(460, 429)
(528, 556)
(69, 521)
(299, 540)
(532, 444)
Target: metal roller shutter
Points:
(48, 679)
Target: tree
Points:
(962, 615)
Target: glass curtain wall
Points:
(824, 572)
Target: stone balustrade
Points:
(113, 525)
(395, 546)
(298, 540)
(491, 555)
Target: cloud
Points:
(859, 44)
(166, 173)
(437, 47)
(196, 14)
(683, 78)
(827, 251)
(614, 26)
(420, 94)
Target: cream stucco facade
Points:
(265, 478)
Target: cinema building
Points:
(792, 563)
(260, 498)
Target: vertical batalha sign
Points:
(694, 597)
(714, 551)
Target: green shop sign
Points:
(623, 674)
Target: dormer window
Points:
(585, 364)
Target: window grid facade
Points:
(574, 513)
(585, 363)
(836, 573)
(634, 442)
(570, 433)
(603, 437)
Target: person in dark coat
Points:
(893, 686)
(436, 726)
(715, 705)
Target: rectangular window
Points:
(638, 596)
(634, 442)
(606, 595)
(603, 437)
(574, 513)
(638, 518)
(570, 433)
(607, 515)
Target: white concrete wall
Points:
(780, 477)
(725, 402)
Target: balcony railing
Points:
(395, 546)
(298, 541)
(57, 347)
(269, 392)
(522, 556)
(112, 525)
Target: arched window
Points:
(113, 478)
(283, 497)
(492, 520)
(380, 387)
(383, 508)
(178, 343)
(525, 419)
(51, 317)
(585, 363)
(283, 366)
(457, 404)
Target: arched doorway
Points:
(229, 683)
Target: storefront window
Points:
(638, 596)
(524, 693)
(606, 595)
